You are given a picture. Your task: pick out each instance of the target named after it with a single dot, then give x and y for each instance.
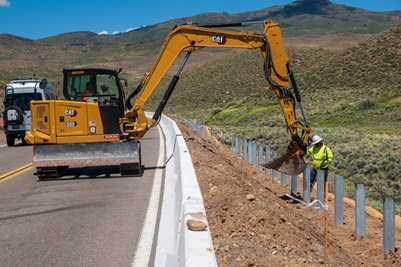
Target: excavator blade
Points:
(290, 162)
(49, 159)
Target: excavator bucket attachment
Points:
(50, 159)
(290, 162)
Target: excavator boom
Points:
(277, 70)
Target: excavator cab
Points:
(102, 86)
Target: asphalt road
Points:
(91, 216)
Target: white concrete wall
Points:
(182, 201)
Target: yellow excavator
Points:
(96, 125)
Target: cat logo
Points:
(220, 39)
(70, 112)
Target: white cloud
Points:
(131, 29)
(117, 32)
(4, 3)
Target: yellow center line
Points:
(7, 176)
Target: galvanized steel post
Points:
(338, 200)
(388, 225)
(244, 155)
(320, 187)
(274, 172)
(360, 214)
(283, 179)
(267, 159)
(306, 181)
(254, 153)
(260, 157)
(250, 151)
(237, 145)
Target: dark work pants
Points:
(313, 176)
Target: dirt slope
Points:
(254, 223)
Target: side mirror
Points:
(43, 84)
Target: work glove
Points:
(323, 165)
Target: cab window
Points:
(105, 85)
(76, 84)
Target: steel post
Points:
(283, 179)
(274, 172)
(306, 181)
(388, 225)
(244, 154)
(260, 157)
(267, 159)
(360, 214)
(338, 200)
(254, 159)
(320, 187)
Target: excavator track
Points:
(50, 172)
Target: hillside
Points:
(254, 223)
(368, 71)
(351, 97)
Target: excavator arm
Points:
(277, 70)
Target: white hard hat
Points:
(316, 139)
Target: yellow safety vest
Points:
(320, 155)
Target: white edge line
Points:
(144, 247)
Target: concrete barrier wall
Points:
(177, 245)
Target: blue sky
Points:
(35, 19)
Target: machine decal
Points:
(71, 124)
(92, 129)
(70, 112)
(220, 39)
(78, 72)
(111, 136)
(92, 123)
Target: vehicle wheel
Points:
(10, 140)
(18, 112)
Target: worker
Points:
(89, 91)
(321, 156)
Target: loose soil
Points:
(254, 223)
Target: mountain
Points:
(312, 22)
(300, 18)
